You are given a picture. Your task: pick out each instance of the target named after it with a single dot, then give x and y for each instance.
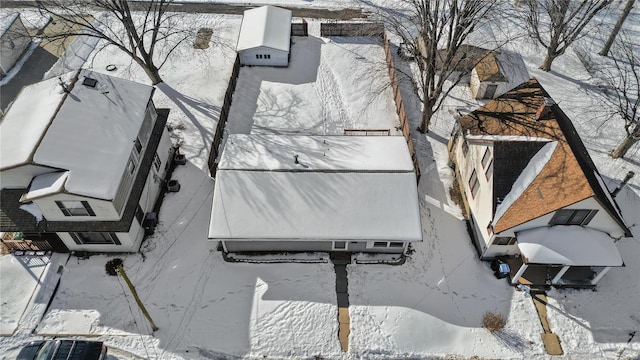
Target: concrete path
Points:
(340, 262)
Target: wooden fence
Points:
(224, 115)
(300, 29)
(397, 97)
(352, 29)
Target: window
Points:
(131, 165)
(75, 208)
(473, 183)
(380, 244)
(489, 171)
(396, 244)
(385, 244)
(485, 158)
(504, 240)
(268, 56)
(157, 162)
(139, 214)
(138, 145)
(465, 147)
(339, 245)
(95, 238)
(257, 56)
(572, 217)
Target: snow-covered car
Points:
(64, 349)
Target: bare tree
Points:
(148, 36)
(556, 24)
(617, 27)
(435, 31)
(622, 88)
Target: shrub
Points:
(493, 321)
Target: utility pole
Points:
(616, 28)
(135, 295)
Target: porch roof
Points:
(568, 245)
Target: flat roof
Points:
(316, 153)
(308, 206)
(267, 26)
(568, 245)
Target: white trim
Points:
(558, 276)
(224, 246)
(517, 276)
(346, 245)
(600, 275)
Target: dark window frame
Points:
(73, 211)
(156, 161)
(573, 217)
(488, 173)
(510, 240)
(485, 158)
(83, 238)
(465, 147)
(474, 184)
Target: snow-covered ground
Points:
(430, 306)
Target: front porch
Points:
(556, 275)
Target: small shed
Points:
(14, 41)
(265, 37)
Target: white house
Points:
(14, 41)
(531, 190)
(82, 161)
(315, 193)
(265, 37)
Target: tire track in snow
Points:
(335, 114)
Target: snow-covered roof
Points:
(46, 184)
(90, 134)
(6, 22)
(568, 245)
(307, 206)
(316, 153)
(93, 133)
(522, 183)
(27, 119)
(267, 26)
(513, 67)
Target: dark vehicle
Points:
(64, 350)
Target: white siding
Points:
(480, 205)
(103, 209)
(278, 57)
(20, 177)
(130, 242)
(13, 43)
(478, 87)
(153, 183)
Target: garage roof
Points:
(267, 26)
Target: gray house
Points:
(82, 161)
(14, 41)
(315, 193)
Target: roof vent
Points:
(90, 82)
(545, 109)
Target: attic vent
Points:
(545, 109)
(90, 82)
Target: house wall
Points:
(103, 209)
(20, 177)
(480, 206)
(278, 57)
(300, 246)
(13, 43)
(601, 221)
(155, 178)
(478, 87)
(130, 241)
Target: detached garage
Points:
(265, 37)
(315, 193)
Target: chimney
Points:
(63, 85)
(545, 108)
